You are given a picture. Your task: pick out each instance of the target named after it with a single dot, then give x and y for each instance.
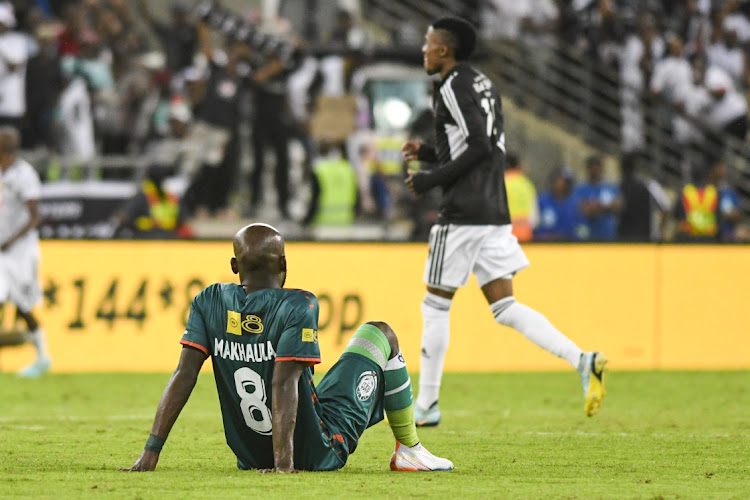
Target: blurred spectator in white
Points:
(645, 203)
(502, 19)
(728, 111)
(725, 53)
(75, 122)
(179, 39)
(43, 83)
(672, 72)
(13, 58)
(539, 23)
(692, 102)
(733, 16)
(640, 52)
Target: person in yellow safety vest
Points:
(697, 209)
(334, 189)
(153, 212)
(164, 209)
(522, 199)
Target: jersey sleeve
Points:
(465, 109)
(196, 333)
(299, 340)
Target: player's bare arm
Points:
(176, 394)
(34, 220)
(286, 375)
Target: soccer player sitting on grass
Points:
(263, 342)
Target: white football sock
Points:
(535, 327)
(39, 340)
(435, 336)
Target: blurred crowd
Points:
(637, 209)
(191, 94)
(90, 79)
(689, 58)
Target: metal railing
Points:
(585, 97)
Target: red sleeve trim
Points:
(197, 346)
(310, 361)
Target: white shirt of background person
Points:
(730, 60)
(13, 51)
(738, 23)
(75, 113)
(695, 102)
(18, 185)
(727, 108)
(670, 74)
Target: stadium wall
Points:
(121, 306)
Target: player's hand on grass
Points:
(411, 150)
(146, 462)
(278, 470)
(410, 181)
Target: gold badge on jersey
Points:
(244, 323)
(309, 335)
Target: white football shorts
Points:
(490, 252)
(18, 277)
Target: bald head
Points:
(259, 256)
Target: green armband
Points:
(155, 443)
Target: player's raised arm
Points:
(176, 394)
(284, 404)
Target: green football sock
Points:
(398, 401)
(371, 343)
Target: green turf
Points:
(660, 435)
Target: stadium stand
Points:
(113, 88)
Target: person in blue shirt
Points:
(729, 202)
(600, 203)
(559, 218)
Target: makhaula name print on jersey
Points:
(238, 351)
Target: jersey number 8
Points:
(252, 393)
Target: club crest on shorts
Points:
(366, 385)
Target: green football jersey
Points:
(245, 334)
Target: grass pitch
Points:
(660, 435)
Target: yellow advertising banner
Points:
(122, 306)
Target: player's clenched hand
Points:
(411, 150)
(278, 470)
(6, 246)
(146, 462)
(410, 181)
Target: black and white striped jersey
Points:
(469, 152)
